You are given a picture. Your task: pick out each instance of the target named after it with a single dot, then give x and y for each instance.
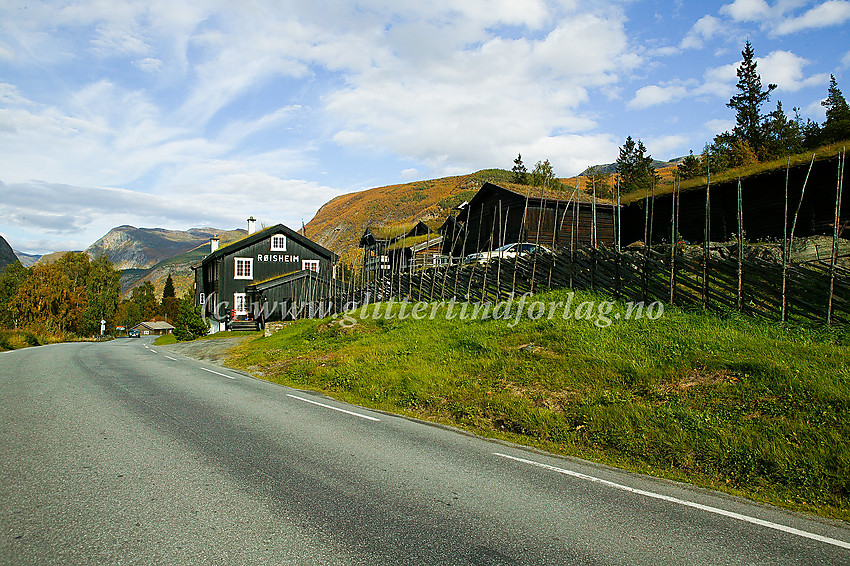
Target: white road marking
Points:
(217, 373)
(170, 358)
(153, 351)
(715, 510)
(334, 408)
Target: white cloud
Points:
(410, 173)
(466, 110)
(668, 146)
(717, 126)
(780, 19)
(718, 81)
(831, 13)
(703, 30)
(149, 64)
(785, 69)
(653, 95)
(747, 10)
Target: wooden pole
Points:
(836, 223)
(673, 238)
(498, 259)
(540, 210)
(706, 237)
(740, 248)
(799, 205)
(785, 249)
(619, 219)
(593, 234)
(477, 249)
(462, 250)
(501, 242)
(520, 238)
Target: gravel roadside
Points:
(214, 350)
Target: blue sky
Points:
(181, 114)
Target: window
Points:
(310, 264)
(244, 268)
(240, 303)
(278, 243)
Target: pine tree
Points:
(782, 137)
(837, 125)
(189, 323)
(690, 167)
(747, 103)
(520, 172)
(168, 291)
(635, 167)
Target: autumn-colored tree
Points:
(48, 296)
(544, 176)
(10, 281)
(599, 181)
(145, 298)
(103, 286)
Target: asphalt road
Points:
(125, 453)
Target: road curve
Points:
(125, 453)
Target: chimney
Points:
(214, 244)
(252, 225)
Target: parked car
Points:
(507, 251)
(133, 333)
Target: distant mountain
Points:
(179, 266)
(7, 255)
(128, 247)
(27, 260)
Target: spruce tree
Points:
(520, 172)
(168, 291)
(635, 167)
(189, 323)
(748, 102)
(837, 125)
(690, 167)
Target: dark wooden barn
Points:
(763, 207)
(497, 215)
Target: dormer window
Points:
(278, 243)
(243, 268)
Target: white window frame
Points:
(306, 263)
(278, 248)
(240, 299)
(249, 261)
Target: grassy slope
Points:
(736, 404)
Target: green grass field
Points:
(750, 407)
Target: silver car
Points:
(506, 252)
